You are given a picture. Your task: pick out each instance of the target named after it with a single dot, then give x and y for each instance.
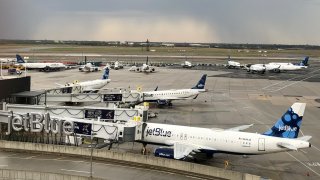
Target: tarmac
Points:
(233, 99)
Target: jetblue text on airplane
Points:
(36, 122)
(158, 132)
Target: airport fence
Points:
(14, 174)
(131, 159)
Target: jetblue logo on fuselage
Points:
(287, 128)
(158, 132)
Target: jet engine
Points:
(164, 152)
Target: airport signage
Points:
(112, 97)
(37, 123)
(102, 113)
(82, 128)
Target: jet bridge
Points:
(75, 95)
(44, 126)
(89, 112)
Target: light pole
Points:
(1, 69)
(25, 68)
(91, 146)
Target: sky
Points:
(206, 21)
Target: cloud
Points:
(246, 21)
(107, 27)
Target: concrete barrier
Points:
(135, 159)
(33, 175)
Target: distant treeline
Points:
(164, 44)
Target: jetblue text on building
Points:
(36, 122)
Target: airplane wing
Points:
(287, 145)
(239, 128)
(183, 150)
(304, 138)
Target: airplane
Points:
(144, 68)
(186, 64)
(117, 65)
(40, 66)
(278, 67)
(166, 96)
(88, 67)
(196, 143)
(92, 85)
(232, 64)
(256, 68)
(8, 60)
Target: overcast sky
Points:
(220, 21)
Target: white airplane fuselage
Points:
(284, 66)
(233, 64)
(172, 94)
(89, 67)
(257, 68)
(43, 65)
(91, 85)
(218, 140)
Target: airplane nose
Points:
(309, 144)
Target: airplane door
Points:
(181, 136)
(261, 144)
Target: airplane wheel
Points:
(47, 69)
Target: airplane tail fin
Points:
(201, 83)
(19, 59)
(305, 61)
(106, 73)
(288, 125)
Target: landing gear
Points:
(144, 149)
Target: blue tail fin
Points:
(201, 83)
(288, 125)
(305, 61)
(106, 73)
(19, 59)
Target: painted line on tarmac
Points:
(289, 79)
(193, 177)
(30, 157)
(8, 155)
(275, 90)
(315, 147)
(303, 164)
(72, 170)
